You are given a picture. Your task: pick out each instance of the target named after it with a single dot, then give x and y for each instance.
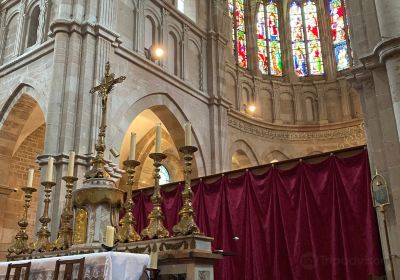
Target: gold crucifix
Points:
(104, 89)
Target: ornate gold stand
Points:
(187, 225)
(20, 245)
(156, 228)
(127, 232)
(42, 243)
(64, 239)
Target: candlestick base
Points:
(108, 248)
(152, 273)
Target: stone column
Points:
(276, 103)
(20, 37)
(43, 18)
(345, 99)
(298, 112)
(322, 112)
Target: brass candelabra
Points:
(156, 228)
(187, 224)
(43, 244)
(127, 232)
(20, 245)
(64, 236)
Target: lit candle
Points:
(188, 134)
(49, 177)
(132, 151)
(29, 183)
(110, 236)
(153, 260)
(71, 163)
(158, 138)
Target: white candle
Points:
(110, 236)
(29, 182)
(71, 163)
(153, 260)
(188, 134)
(158, 138)
(132, 151)
(49, 177)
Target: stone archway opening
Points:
(172, 138)
(22, 133)
(240, 160)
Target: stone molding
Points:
(354, 131)
(4, 190)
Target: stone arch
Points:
(230, 88)
(286, 108)
(166, 109)
(152, 27)
(193, 73)
(245, 155)
(188, 7)
(126, 22)
(10, 38)
(32, 24)
(173, 52)
(275, 156)
(309, 106)
(22, 135)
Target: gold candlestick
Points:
(127, 232)
(20, 245)
(187, 225)
(156, 228)
(42, 243)
(64, 236)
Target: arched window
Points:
(236, 10)
(187, 7)
(9, 49)
(340, 34)
(268, 38)
(306, 44)
(33, 26)
(165, 178)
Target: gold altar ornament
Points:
(20, 245)
(64, 239)
(156, 228)
(43, 243)
(104, 89)
(127, 232)
(80, 230)
(187, 224)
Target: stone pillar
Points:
(322, 112)
(298, 112)
(388, 17)
(345, 99)
(276, 103)
(383, 146)
(20, 37)
(3, 27)
(43, 18)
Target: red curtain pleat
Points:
(314, 221)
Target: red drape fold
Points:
(314, 221)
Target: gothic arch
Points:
(243, 148)
(275, 156)
(166, 109)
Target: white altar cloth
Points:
(98, 266)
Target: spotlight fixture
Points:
(154, 53)
(252, 108)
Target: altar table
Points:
(98, 266)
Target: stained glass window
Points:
(165, 178)
(340, 34)
(306, 44)
(236, 9)
(268, 39)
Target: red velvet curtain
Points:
(312, 222)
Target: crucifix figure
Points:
(104, 89)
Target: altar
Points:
(99, 266)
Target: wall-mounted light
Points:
(252, 108)
(154, 53)
(379, 190)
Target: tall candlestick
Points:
(153, 260)
(158, 139)
(188, 134)
(132, 151)
(50, 163)
(30, 178)
(110, 236)
(71, 163)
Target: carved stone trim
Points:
(277, 134)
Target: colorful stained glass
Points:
(337, 10)
(274, 39)
(298, 42)
(262, 40)
(241, 34)
(232, 15)
(313, 38)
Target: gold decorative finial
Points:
(104, 89)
